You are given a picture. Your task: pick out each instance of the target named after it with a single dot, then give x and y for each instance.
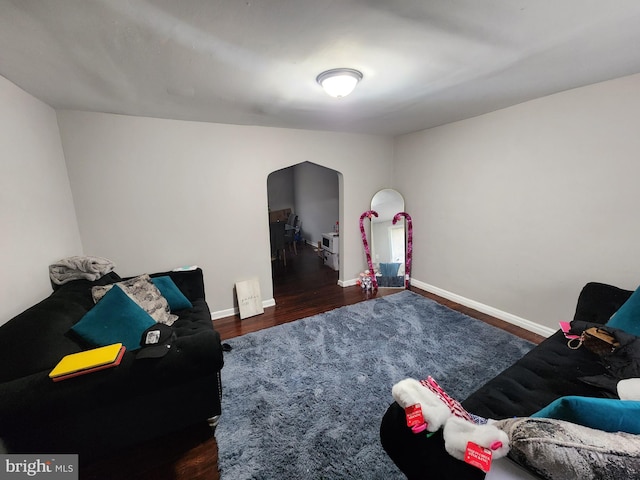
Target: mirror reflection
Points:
(388, 240)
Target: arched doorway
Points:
(311, 192)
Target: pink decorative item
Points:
(419, 428)
(368, 214)
(454, 406)
(407, 275)
(496, 445)
(364, 281)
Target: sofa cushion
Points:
(115, 318)
(627, 318)
(608, 414)
(169, 290)
(557, 450)
(549, 371)
(142, 291)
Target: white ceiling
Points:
(254, 62)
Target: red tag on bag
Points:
(478, 456)
(414, 415)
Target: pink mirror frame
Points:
(396, 218)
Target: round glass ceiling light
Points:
(339, 82)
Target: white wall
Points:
(280, 189)
(317, 200)
(519, 208)
(152, 194)
(37, 216)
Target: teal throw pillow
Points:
(627, 317)
(170, 291)
(115, 318)
(607, 414)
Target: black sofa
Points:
(550, 371)
(101, 412)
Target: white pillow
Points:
(629, 389)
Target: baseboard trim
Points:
(230, 312)
(481, 307)
(467, 302)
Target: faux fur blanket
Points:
(79, 267)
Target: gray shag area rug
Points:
(305, 399)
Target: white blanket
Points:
(79, 267)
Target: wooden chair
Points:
(290, 233)
(278, 243)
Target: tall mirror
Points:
(388, 240)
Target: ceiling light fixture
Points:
(339, 82)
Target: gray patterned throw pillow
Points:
(142, 291)
(559, 450)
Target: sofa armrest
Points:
(598, 301)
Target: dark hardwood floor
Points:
(302, 288)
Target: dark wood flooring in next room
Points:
(302, 288)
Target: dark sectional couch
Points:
(100, 412)
(550, 371)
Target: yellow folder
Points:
(77, 362)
